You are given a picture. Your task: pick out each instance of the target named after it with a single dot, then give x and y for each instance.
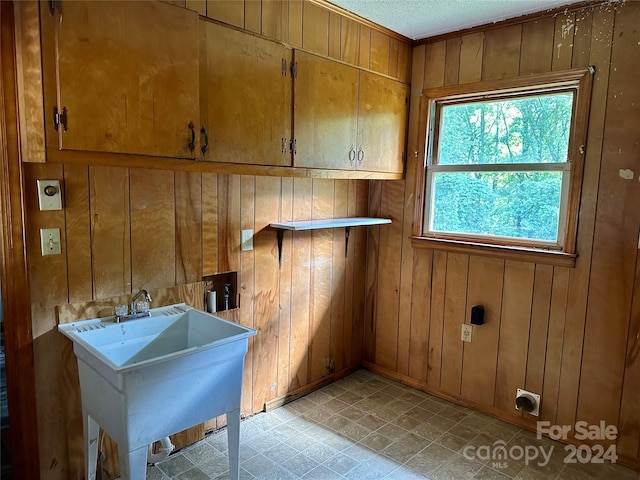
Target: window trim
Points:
(578, 80)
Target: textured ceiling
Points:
(425, 18)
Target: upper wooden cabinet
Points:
(126, 77)
(245, 97)
(382, 123)
(325, 113)
(346, 118)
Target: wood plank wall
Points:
(123, 229)
(570, 334)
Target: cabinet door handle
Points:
(205, 143)
(192, 143)
(360, 156)
(352, 155)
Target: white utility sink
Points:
(147, 378)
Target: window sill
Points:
(521, 254)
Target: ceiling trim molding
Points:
(510, 21)
(361, 20)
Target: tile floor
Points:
(367, 427)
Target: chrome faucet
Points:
(133, 310)
(122, 316)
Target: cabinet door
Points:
(325, 113)
(245, 97)
(382, 123)
(127, 76)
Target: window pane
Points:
(506, 204)
(521, 130)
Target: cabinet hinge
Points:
(292, 146)
(284, 67)
(60, 118)
(52, 7)
(283, 148)
(294, 69)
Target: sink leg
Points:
(91, 431)
(233, 440)
(133, 464)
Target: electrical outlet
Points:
(247, 240)
(50, 241)
(467, 331)
(49, 196)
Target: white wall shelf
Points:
(345, 223)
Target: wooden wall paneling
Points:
(501, 54)
(48, 287)
(436, 323)
(435, 55)
(420, 302)
(315, 31)
(360, 274)
(189, 228)
(372, 277)
(629, 431)
(246, 288)
(338, 279)
(517, 298)
(563, 41)
(537, 51)
(300, 286)
(405, 311)
(209, 223)
(582, 38)
(321, 253)
(598, 54)
(538, 328)
(266, 308)
(295, 22)
(110, 231)
(349, 40)
(275, 19)
(285, 323)
(227, 11)
(228, 223)
(253, 15)
(379, 56)
(405, 69)
(78, 231)
(199, 6)
(555, 338)
(471, 51)
(393, 57)
(192, 294)
(349, 313)
(480, 357)
(48, 274)
(364, 48)
(152, 197)
(335, 40)
(452, 61)
(616, 230)
(455, 305)
(29, 80)
(391, 329)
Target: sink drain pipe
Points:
(166, 447)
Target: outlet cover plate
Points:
(49, 201)
(246, 244)
(466, 333)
